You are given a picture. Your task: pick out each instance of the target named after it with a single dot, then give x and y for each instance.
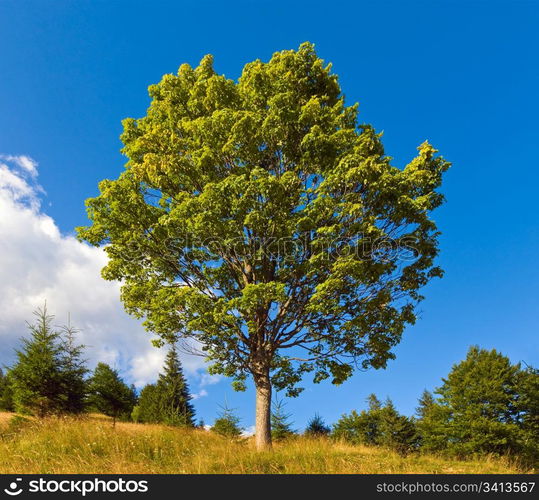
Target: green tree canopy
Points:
(261, 219)
(381, 425)
(109, 394)
(48, 375)
(486, 404)
(6, 392)
(149, 405)
(168, 401)
(176, 406)
(74, 371)
(317, 427)
(227, 423)
(528, 408)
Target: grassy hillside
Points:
(91, 445)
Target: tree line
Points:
(50, 377)
(262, 218)
(486, 405)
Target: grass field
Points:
(91, 445)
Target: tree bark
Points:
(263, 411)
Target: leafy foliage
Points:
(135, 414)
(109, 394)
(528, 408)
(259, 218)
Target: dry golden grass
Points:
(4, 419)
(91, 445)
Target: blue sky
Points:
(463, 75)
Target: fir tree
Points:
(426, 402)
(168, 401)
(173, 393)
(361, 428)
(431, 419)
(528, 409)
(350, 428)
(281, 427)
(374, 404)
(379, 425)
(38, 378)
(74, 371)
(227, 423)
(316, 427)
(397, 431)
(149, 405)
(372, 421)
(109, 394)
(6, 392)
(485, 405)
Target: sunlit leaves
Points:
(259, 215)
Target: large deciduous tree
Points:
(259, 218)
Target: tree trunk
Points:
(263, 412)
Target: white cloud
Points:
(16, 188)
(146, 365)
(22, 161)
(200, 394)
(207, 379)
(249, 431)
(38, 263)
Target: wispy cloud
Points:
(25, 162)
(207, 379)
(200, 394)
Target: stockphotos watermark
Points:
(77, 486)
(191, 249)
